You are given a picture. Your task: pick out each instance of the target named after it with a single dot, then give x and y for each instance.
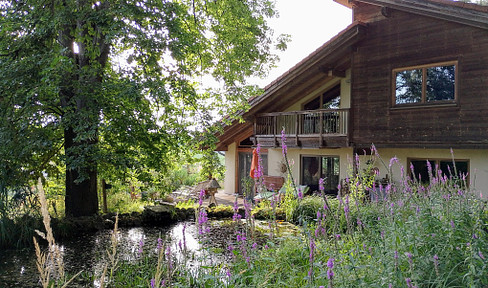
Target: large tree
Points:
(117, 83)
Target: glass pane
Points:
(310, 172)
(447, 168)
(421, 170)
(408, 86)
(245, 159)
(440, 83)
(330, 172)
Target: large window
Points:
(451, 169)
(316, 167)
(329, 100)
(429, 84)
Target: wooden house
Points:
(409, 76)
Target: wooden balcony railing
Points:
(314, 125)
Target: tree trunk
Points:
(81, 196)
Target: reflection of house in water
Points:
(408, 76)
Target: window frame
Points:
(423, 101)
(437, 161)
(302, 169)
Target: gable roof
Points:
(461, 12)
(306, 76)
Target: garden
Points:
(414, 235)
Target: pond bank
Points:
(160, 215)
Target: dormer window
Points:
(428, 84)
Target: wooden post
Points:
(104, 197)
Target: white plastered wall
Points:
(275, 157)
(478, 163)
(230, 169)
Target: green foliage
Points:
(307, 208)
(116, 86)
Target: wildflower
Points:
(330, 271)
(153, 283)
(160, 244)
(321, 184)
(475, 236)
(227, 271)
(300, 193)
(410, 261)
(283, 142)
(236, 217)
(436, 264)
(254, 245)
(311, 257)
(481, 255)
(141, 247)
(168, 257)
(184, 236)
(452, 224)
(201, 196)
(392, 160)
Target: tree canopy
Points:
(119, 84)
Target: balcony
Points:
(306, 129)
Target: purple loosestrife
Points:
(436, 264)
(481, 255)
(410, 260)
(284, 149)
(141, 247)
(160, 244)
(330, 271)
(202, 215)
(236, 217)
(169, 258)
(184, 236)
(312, 247)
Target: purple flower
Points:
(254, 245)
(201, 196)
(392, 160)
(141, 246)
(452, 224)
(330, 265)
(153, 283)
(160, 244)
(321, 185)
(283, 142)
(481, 255)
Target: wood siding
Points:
(405, 40)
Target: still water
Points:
(88, 253)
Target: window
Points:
(429, 84)
(329, 100)
(316, 167)
(451, 169)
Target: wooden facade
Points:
(400, 39)
(385, 36)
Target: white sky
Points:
(310, 23)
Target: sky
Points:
(310, 23)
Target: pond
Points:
(88, 252)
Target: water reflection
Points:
(88, 253)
